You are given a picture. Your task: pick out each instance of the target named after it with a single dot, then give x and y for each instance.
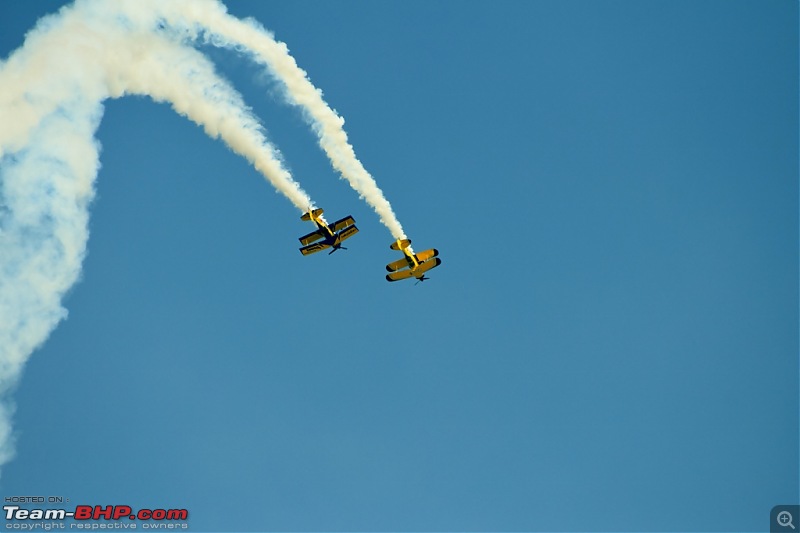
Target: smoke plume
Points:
(51, 94)
(208, 19)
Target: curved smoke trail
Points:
(51, 104)
(209, 18)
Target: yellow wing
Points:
(347, 233)
(397, 265)
(397, 276)
(313, 248)
(339, 225)
(427, 254)
(427, 265)
(311, 237)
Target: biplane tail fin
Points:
(314, 213)
(400, 244)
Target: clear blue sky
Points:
(611, 342)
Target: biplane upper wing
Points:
(397, 276)
(313, 248)
(311, 237)
(427, 254)
(339, 225)
(427, 265)
(397, 265)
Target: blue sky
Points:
(611, 342)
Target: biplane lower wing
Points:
(348, 232)
(313, 248)
(416, 273)
(311, 237)
(397, 276)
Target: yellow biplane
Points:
(411, 265)
(331, 235)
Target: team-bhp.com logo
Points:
(94, 517)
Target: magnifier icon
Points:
(785, 519)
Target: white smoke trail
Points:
(203, 97)
(209, 17)
(165, 71)
(51, 91)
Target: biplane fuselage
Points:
(411, 265)
(326, 235)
